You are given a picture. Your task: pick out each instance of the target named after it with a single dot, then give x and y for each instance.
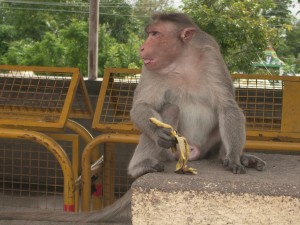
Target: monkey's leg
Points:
(145, 158)
(148, 156)
(233, 135)
(237, 168)
(252, 161)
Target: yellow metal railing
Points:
(270, 103)
(44, 99)
(57, 151)
(108, 175)
(115, 101)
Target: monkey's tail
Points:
(110, 213)
(113, 211)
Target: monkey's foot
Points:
(252, 161)
(235, 167)
(146, 166)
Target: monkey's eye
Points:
(153, 33)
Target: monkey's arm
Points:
(140, 114)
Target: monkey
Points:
(183, 66)
(185, 83)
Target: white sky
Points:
(295, 9)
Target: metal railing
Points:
(37, 99)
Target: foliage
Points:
(125, 55)
(293, 44)
(114, 54)
(55, 32)
(69, 47)
(145, 8)
(280, 13)
(240, 27)
(54, 39)
(289, 49)
(32, 19)
(75, 39)
(293, 40)
(117, 14)
(7, 35)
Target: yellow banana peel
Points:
(184, 148)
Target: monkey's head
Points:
(167, 37)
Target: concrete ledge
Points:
(216, 196)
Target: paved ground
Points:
(282, 177)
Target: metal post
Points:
(93, 40)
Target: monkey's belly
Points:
(194, 154)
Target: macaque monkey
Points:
(185, 83)
(183, 67)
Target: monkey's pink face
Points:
(161, 47)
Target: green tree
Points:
(290, 46)
(47, 52)
(280, 12)
(7, 35)
(115, 54)
(55, 39)
(35, 24)
(75, 39)
(69, 47)
(143, 9)
(118, 15)
(32, 19)
(240, 27)
(293, 40)
(124, 55)
(289, 50)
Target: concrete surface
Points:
(124, 220)
(215, 196)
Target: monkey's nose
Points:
(142, 49)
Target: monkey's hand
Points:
(184, 148)
(166, 134)
(165, 139)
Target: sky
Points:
(295, 9)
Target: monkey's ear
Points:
(187, 34)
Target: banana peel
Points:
(184, 148)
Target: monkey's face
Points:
(162, 46)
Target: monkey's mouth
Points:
(147, 61)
